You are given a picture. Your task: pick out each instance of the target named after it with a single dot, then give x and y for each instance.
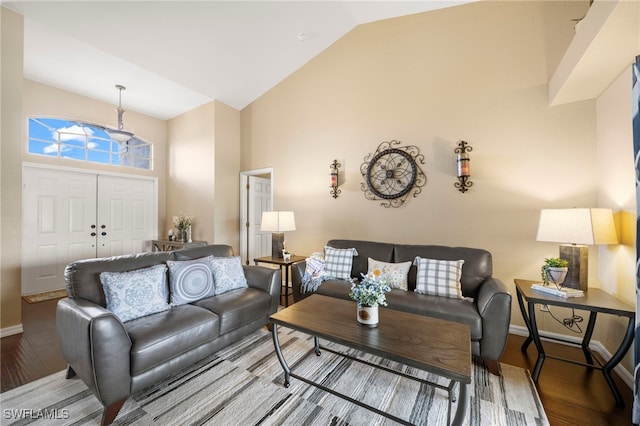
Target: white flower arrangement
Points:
(370, 290)
(182, 221)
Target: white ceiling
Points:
(175, 56)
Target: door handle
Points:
(103, 234)
(103, 226)
(93, 234)
(93, 227)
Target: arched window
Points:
(60, 138)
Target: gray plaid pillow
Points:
(338, 262)
(438, 277)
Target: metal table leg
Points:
(283, 363)
(463, 404)
(536, 339)
(616, 358)
(587, 337)
(527, 322)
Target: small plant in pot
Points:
(554, 270)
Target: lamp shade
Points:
(278, 221)
(577, 226)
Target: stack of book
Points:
(555, 291)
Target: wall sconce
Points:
(333, 178)
(464, 170)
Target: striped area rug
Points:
(243, 385)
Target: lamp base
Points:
(578, 258)
(277, 244)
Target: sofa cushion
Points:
(477, 263)
(338, 262)
(136, 293)
(335, 288)
(457, 310)
(366, 249)
(395, 274)
(228, 274)
(82, 278)
(438, 277)
(237, 307)
(190, 280)
(158, 338)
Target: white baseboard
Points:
(10, 331)
(594, 345)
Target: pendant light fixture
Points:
(120, 134)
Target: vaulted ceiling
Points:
(175, 56)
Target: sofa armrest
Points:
(297, 272)
(494, 306)
(96, 346)
(266, 279)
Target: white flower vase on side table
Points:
(367, 315)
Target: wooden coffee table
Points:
(436, 346)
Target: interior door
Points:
(125, 215)
(59, 216)
(259, 201)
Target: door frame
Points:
(244, 207)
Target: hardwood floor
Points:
(571, 394)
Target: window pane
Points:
(99, 157)
(73, 152)
(99, 144)
(45, 148)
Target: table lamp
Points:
(577, 228)
(277, 222)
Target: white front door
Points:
(59, 218)
(125, 215)
(71, 215)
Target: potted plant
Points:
(554, 270)
(370, 293)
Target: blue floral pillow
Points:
(228, 274)
(190, 280)
(137, 293)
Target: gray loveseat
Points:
(115, 359)
(486, 307)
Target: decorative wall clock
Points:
(392, 173)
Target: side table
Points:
(286, 265)
(595, 301)
(167, 245)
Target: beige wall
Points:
(203, 173)
(191, 170)
(616, 190)
(11, 134)
(477, 72)
(227, 180)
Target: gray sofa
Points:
(115, 359)
(486, 307)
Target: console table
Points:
(167, 245)
(595, 301)
(284, 264)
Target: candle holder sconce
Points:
(463, 169)
(333, 178)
